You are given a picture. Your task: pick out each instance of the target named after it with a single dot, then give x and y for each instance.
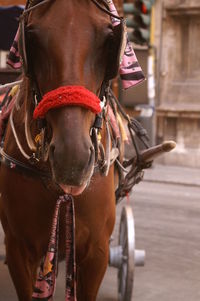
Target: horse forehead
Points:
(61, 17)
(78, 21)
(84, 7)
(69, 33)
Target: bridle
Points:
(38, 149)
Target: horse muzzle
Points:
(70, 112)
(72, 168)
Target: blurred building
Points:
(177, 40)
(174, 73)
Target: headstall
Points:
(130, 73)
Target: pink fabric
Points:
(5, 114)
(46, 282)
(14, 57)
(130, 71)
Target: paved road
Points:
(167, 218)
(167, 221)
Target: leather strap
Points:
(106, 10)
(14, 164)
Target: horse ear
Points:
(116, 50)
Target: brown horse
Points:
(68, 44)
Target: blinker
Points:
(116, 50)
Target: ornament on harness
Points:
(67, 95)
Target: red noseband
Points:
(68, 95)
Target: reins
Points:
(10, 85)
(29, 158)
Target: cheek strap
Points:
(67, 95)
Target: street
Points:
(167, 220)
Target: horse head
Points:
(75, 53)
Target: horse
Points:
(67, 43)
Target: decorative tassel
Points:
(45, 285)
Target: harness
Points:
(45, 284)
(130, 172)
(103, 157)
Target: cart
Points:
(125, 257)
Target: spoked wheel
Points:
(127, 244)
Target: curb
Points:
(172, 182)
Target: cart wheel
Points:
(127, 243)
